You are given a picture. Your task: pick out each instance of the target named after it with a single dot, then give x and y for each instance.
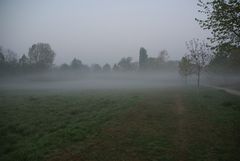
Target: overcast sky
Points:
(99, 31)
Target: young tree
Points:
(41, 55)
(185, 67)
(143, 58)
(223, 19)
(199, 55)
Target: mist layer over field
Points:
(73, 81)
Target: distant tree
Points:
(76, 64)
(24, 61)
(223, 19)
(64, 67)
(85, 68)
(153, 63)
(96, 68)
(125, 64)
(10, 57)
(115, 68)
(163, 56)
(185, 67)
(2, 62)
(2, 58)
(8, 61)
(41, 55)
(199, 54)
(106, 68)
(143, 58)
(135, 66)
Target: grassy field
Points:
(108, 125)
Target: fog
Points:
(71, 82)
(101, 32)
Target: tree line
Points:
(41, 56)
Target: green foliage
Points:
(226, 59)
(223, 19)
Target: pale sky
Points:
(100, 31)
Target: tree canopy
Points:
(223, 19)
(41, 55)
(143, 58)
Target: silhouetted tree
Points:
(24, 61)
(106, 68)
(2, 58)
(125, 64)
(10, 57)
(143, 58)
(96, 68)
(199, 56)
(64, 67)
(41, 55)
(2, 62)
(85, 68)
(76, 64)
(153, 63)
(115, 68)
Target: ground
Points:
(171, 124)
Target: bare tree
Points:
(42, 55)
(199, 54)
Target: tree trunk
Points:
(198, 79)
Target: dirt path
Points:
(181, 133)
(230, 91)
